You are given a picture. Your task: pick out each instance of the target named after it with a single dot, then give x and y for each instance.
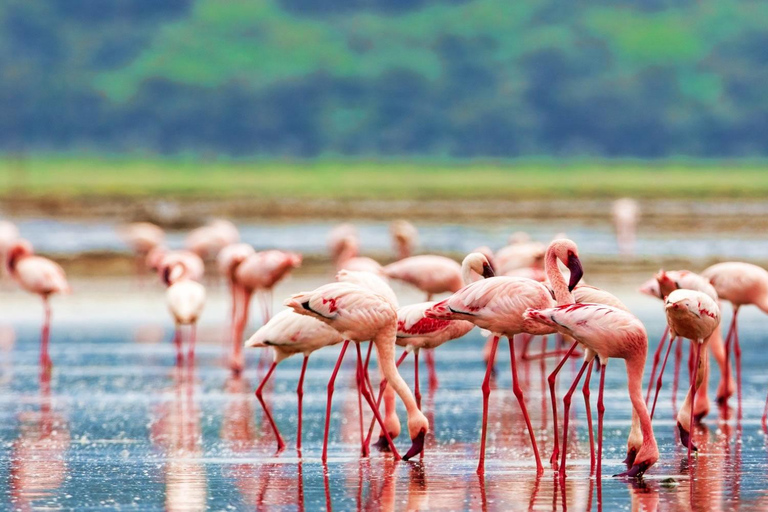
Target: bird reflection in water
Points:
(38, 458)
(176, 431)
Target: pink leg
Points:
(376, 414)
(678, 361)
(588, 406)
(330, 396)
(521, 400)
(416, 390)
(661, 374)
(656, 357)
(45, 358)
(360, 383)
(526, 343)
(429, 356)
(192, 340)
(300, 394)
(552, 380)
(765, 416)
(693, 396)
(382, 385)
(259, 390)
(737, 353)
(600, 413)
(177, 344)
(486, 395)
(237, 364)
(691, 357)
(566, 414)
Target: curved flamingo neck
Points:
(635, 368)
(556, 279)
(466, 273)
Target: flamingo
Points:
(206, 241)
(161, 257)
(260, 272)
(404, 238)
(429, 273)
(415, 331)
(228, 259)
(625, 215)
(142, 237)
(497, 304)
(693, 315)
(41, 276)
(289, 333)
(349, 258)
(185, 298)
(740, 284)
(521, 252)
(606, 332)
(362, 315)
(338, 239)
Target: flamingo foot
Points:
(382, 445)
(636, 471)
(417, 447)
(630, 460)
(685, 437)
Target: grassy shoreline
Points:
(70, 177)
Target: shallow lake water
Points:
(120, 424)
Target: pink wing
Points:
(431, 273)
(41, 275)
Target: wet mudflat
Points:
(119, 423)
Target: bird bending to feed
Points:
(362, 315)
(606, 332)
(693, 315)
(497, 304)
(741, 284)
(289, 333)
(429, 273)
(186, 299)
(228, 259)
(41, 276)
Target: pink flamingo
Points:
(289, 333)
(361, 315)
(521, 252)
(228, 260)
(161, 257)
(740, 284)
(606, 332)
(404, 238)
(9, 233)
(260, 272)
(186, 299)
(142, 237)
(349, 258)
(497, 304)
(206, 241)
(41, 276)
(693, 315)
(625, 214)
(338, 238)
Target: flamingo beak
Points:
(382, 445)
(685, 437)
(577, 272)
(630, 460)
(636, 471)
(488, 270)
(417, 447)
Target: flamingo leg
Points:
(517, 390)
(678, 360)
(259, 390)
(376, 414)
(552, 380)
(330, 396)
(177, 344)
(691, 356)
(429, 357)
(237, 362)
(661, 374)
(693, 396)
(416, 389)
(588, 406)
(566, 414)
(764, 421)
(192, 340)
(526, 343)
(45, 358)
(486, 395)
(360, 383)
(656, 357)
(737, 353)
(300, 395)
(600, 414)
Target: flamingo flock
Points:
(526, 289)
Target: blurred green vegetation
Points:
(73, 177)
(442, 78)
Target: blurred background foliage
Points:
(438, 78)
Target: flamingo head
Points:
(666, 284)
(681, 303)
(488, 253)
(404, 235)
(173, 272)
(478, 263)
(231, 256)
(651, 287)
(567, 252)
(418, 426)
(19, 249)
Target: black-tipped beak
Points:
(630, 460)
(488, 270)
(417, 446)
(685, 437)
(382, 445)
(636, 471)
(167, 276)
(574, 265)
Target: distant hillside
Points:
(443, 78)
